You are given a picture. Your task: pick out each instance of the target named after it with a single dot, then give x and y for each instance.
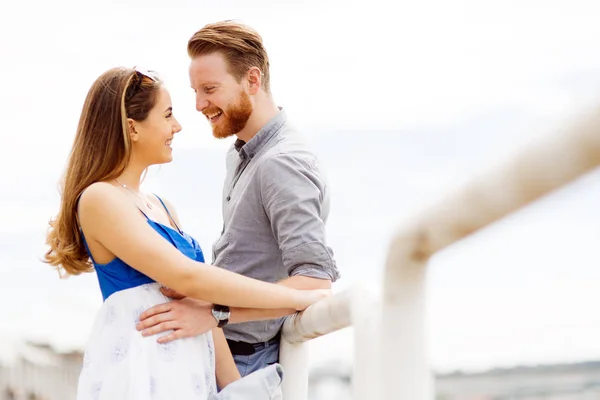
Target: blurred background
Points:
(403, 102)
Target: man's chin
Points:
(222, 135)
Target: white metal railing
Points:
(401, 372)
(354, 306)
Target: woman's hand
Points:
(309, 297)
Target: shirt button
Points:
(228, 198)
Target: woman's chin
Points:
(164, 160)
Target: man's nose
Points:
(201, 103)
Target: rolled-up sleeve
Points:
(292, 196)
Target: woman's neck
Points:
(131, 177)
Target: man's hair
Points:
(241, 46)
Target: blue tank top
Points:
(116, 275)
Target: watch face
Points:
(221, 315)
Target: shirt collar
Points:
(262, 136)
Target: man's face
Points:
(223, 100)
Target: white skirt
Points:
(120, 363)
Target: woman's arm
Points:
(108, 216)
(226, 369)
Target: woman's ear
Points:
(133, 135)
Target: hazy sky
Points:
(436, 89)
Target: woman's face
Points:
(152, 137)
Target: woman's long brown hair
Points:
(101, 151)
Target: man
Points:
(275, 200)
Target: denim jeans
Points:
(264, 384)
(266, 354)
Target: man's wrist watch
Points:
(221, 314)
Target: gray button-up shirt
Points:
(275, 206)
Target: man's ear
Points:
(254, 80)
(133, 135)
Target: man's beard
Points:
(234, 119)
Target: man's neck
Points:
(264, 111)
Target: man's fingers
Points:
(159, 328)
(159, 309)
(178, 334)
(154, 320)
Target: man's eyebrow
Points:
(204, 84)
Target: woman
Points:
(134, 243)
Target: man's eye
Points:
(209, 89)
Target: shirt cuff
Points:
(311, 259)
(310, 273)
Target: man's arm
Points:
(293, 197)
(189, 317)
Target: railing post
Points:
(404, 362)
(326, 316)
(366, 321)
(294, 358)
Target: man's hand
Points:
(185, 316)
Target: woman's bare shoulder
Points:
(100, 197)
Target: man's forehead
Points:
(210, 66)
